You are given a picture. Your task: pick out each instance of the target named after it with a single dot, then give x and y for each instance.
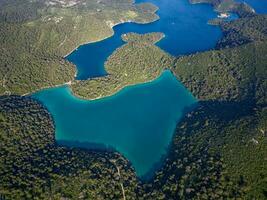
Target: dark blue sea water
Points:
(184, 25)
(139, 121)
(260, 6)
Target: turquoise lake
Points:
(139, 121)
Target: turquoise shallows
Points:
(139, 121)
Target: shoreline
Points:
(99, 40)
(109, 36)
(114, 93)
(47, 87)
(113, 32)
(91, 42)
(117, 91)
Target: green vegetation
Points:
(150, 38)
(138, 61)
(243, 31)
(218, 150)
(33, 166)
(242, 9)
(32, 50)
(19, 11)
(235, 74)
(225, 74)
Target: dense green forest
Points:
(138, 61)
(213, 155)
(19, 11)
(234, 74)
(218, 151)
(33, 166)
(243, 31)
(32, 50)
(242, 9)
(215, 74)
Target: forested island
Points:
(218, 150)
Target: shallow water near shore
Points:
(185, 27)
(138, 122)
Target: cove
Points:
(138, 121)
(185, 27)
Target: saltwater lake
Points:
(139, 121)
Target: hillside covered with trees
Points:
(33, 166)
(218, 151)
(33, 46)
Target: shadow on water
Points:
(153, 170)
(108, 148)
(224, 112)
(86, 145)
(143, 117)
(128, 121)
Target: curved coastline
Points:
(107, 37)
(112, 27)
(160, 43)
(118, 92)
(65, 145)
(116, 119)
